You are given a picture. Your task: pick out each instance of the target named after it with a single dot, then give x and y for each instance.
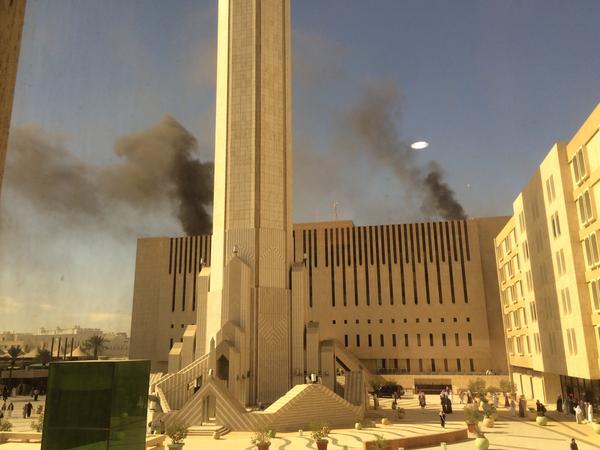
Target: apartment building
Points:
(548, 269)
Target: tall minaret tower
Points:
(252, 193)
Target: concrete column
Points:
(12, 15)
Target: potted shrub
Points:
(488, 414)
(177, 432)
(262, 439)
(380, 443)
(358, 423)
(481, 442)
(319, 435)
(5, 425)
(400, 413)
(541, 418)
(38, 424)
(472, 417)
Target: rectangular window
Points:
(381, 341)
(519, 340)
(458, 367)
(393, 340)
(406, 340)
(471, 365)
(445, 365)
(579, 166)
(590, 245)
(370, 340)
(470, 340)
(555, 225)
(171, 343)
(346, 340)
(594, 287)
(456, 339)
(418, 340)
(433, 365)
(444, 339)
(358, 340)
(430, 340)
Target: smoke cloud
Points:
(156, 167)
(371, 128)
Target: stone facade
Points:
(12, 14)
(548, 272)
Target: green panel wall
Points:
(93, 405)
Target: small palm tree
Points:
(44, 356)
(14, 352)
(95, 344)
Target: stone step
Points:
(207, 430)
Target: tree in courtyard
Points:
(14, 352)
(95, 344)
(477, 387)
(508, 386)
(43, 356)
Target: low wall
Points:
(458, 381)
(420, 441)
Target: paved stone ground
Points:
(508, 434)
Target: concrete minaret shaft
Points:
(252, 194)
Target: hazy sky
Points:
(490, 84)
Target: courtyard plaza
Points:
(509, 433)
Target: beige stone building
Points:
(404, 299)
(12, 14)
(548, 270)
(242, 318)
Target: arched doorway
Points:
(223, 369)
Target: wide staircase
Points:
(207, 429)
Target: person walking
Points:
(461, 396)
(29, 409)
(36, 393)
(422, 401)
(559, 404)
(578, 414)
(522, 406)
(590, 413)
(506, 400)
(25, 411)
(513, 409)
(442, 415)
(495, 400)
(10, 409)
(3, 408)
(573, 445)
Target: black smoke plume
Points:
(372, 125)
(157, 167)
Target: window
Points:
(370, 340)
(526, 250)
(524, 314)
(346, 340)
(381, 341)
(433, 365)
(406, 340)
(572, 341)
(444, 339)
(418, 340)
(430, 340)
(471, 365)
(590, 246)
(561, 266)
(538, 344)
(579, 166)
(550, 193)
(456, 339)
(522, 221)
(555, 225)
(519, 344)
(595, 294)
(516, 319)
(445, 365)
(420, 365)
(584, 204)
(470, 340)
(458, 368)
(393, 340)
(566, 300)
(528, 345)
(358, 340)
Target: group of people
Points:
(313, 378)
(6, 409)
(581, 409)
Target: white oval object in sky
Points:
(419, 145)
